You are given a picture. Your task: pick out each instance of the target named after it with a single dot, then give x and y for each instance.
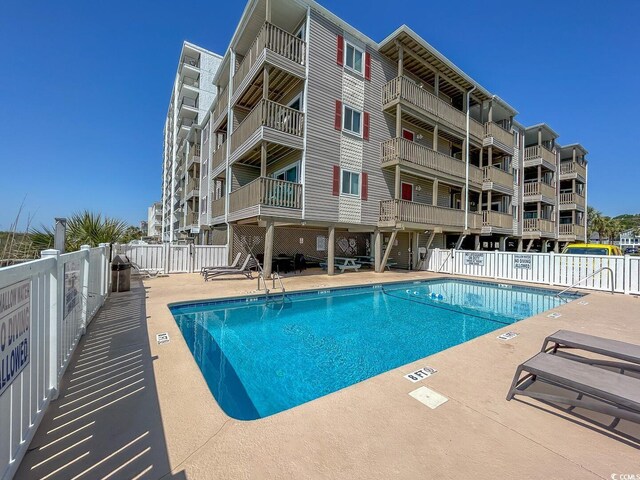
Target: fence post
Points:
(626, 275)
(55, 316)
(495, 264)
(452, 257)
(552, 268)
(86, 264)
(104, 272)
(191, 257)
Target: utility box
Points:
(120, 274)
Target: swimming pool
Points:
(260, 358)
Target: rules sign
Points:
(15, 322)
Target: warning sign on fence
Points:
(522, 261)
(15, 322)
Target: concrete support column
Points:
(490, 118)
(476, 242)
(573, 217)
(520, 242)
(545, 246)
(436, 84)
(539, 210)
(488, 200)
(265, 83)
(434, 200)
(539, 137)
(556, 246)
(397, 183)
(503, 243)
(573, 186)
(489, 156)
(268, 11)
(481, 152)
(378, 250)
(268, 248)
(331, 250)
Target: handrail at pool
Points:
(612, 278)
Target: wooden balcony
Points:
(274, 46)
(571, 201)
(220, 108)
(539, 155)
(403, 89)
(192, 187)
(571, 232)
(266, 195)
(421, 159)
(539, 191)
(271, 122)
(496, 222)
(219, 158)
(570, 170)
(422, 215)
(497, 179)
(538, 227)
(495, 135)
(194, 156)
(217, 207)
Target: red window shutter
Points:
(338, 118)
(367, 66)
(340, 50)
(365, 126)
(336, 180)
(365, 186)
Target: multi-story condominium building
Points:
(326, 143)
(191, 97)
(154, 220)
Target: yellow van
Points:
(592, 249)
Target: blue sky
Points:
(84, 87)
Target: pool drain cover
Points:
(428, 397)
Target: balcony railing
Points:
(222, 102)
(189, 102)
(497, 219)
(571, 198)
(278, 41)
(413, 212)
(272, 115)
(217, 207)
(191, 218)
(534, 154)
(539, 188)
(408, 90)
(194, 156)
(568, 168)
(492, 129)
(192, 82)
(194, 62)
(538, 225)
(498, 176)
(219, 157)
(267, 192)
(400, 149)
(571, 229)
(192, 186)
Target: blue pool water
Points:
(260, 358)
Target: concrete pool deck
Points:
(373, 429)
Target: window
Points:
(408, 135)
(354, 58)
(350, 183)
(352, 120)
(289, 173)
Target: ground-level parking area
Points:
(130, 406)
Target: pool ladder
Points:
(274, 276)
(612, 280)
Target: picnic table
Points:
(343, 263)
(370, 261)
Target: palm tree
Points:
(83, 228)
(614, 229)
(596, 222)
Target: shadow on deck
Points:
(106, 422)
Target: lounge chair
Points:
(248, 266)
(223, 267)
(587, 386)
(565, 339)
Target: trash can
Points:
(120, 274)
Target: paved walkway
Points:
(106, 422)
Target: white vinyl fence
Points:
(546, 268)
(45, 307)
(172, 258)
